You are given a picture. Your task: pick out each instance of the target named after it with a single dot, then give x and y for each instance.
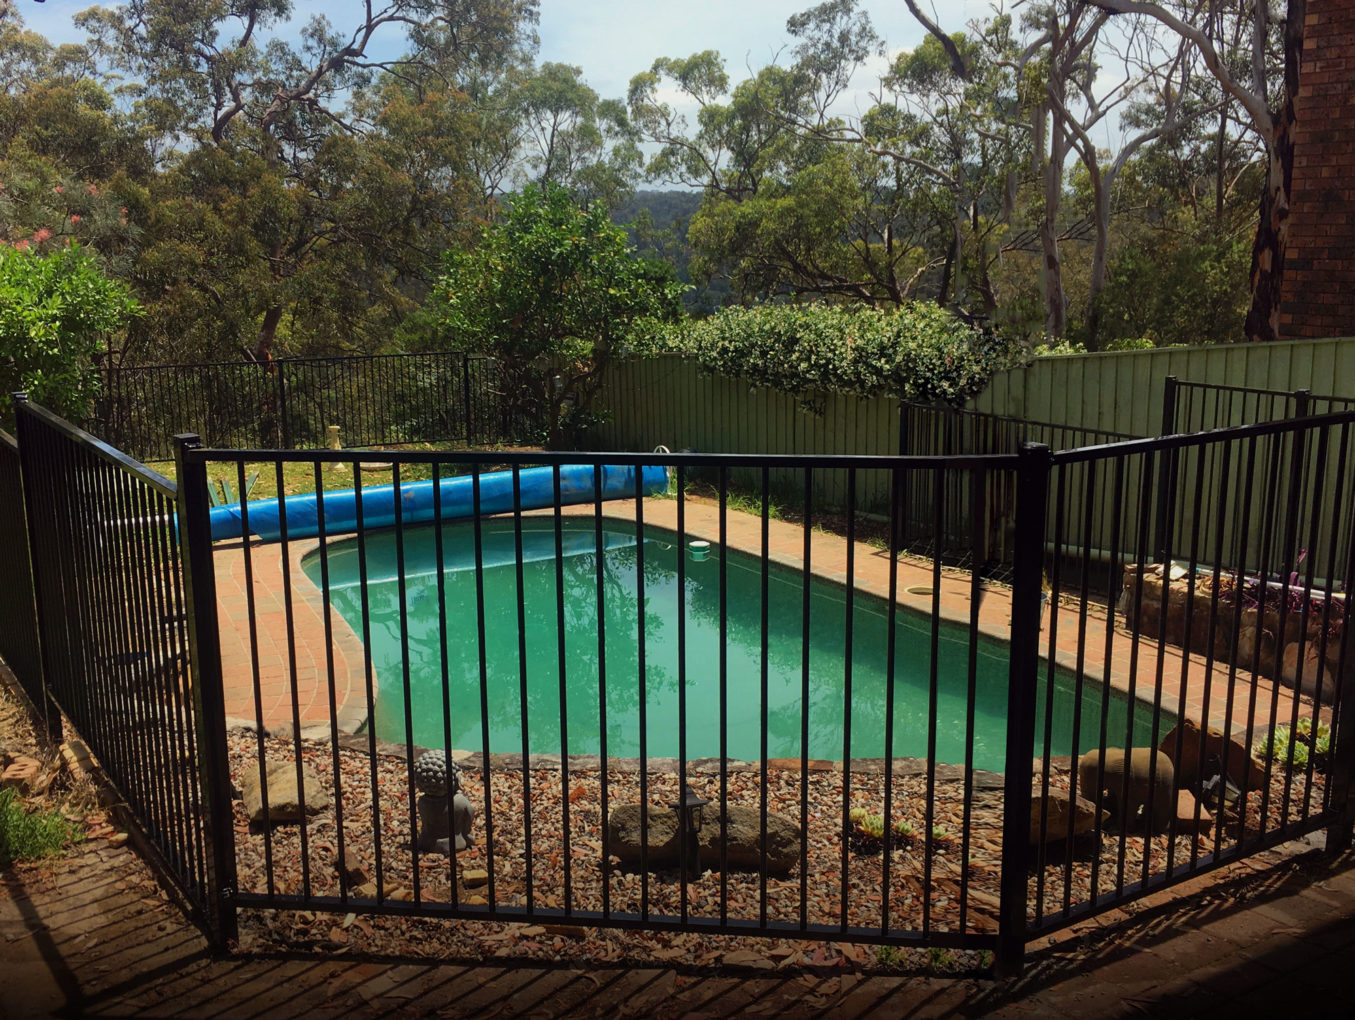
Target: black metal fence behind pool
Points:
(890, 752)
(1192, 406)
(291, 402)
(937, 431)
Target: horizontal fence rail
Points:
(109, 592)
(292, 402)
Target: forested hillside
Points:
(1070, 174)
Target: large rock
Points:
(1196, 765)
(1185, 824)
(1064, 818)
(1144, 613)
(1314, 679)
(284, 801)
(744, 846)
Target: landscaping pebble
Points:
(542, 793)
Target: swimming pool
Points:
(534, 650)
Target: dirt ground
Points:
(93, 933)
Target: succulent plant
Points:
(858, 815)
(940, 834)
(874, 825)
(904, 828)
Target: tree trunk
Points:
(1272, 238)
(1272, 230)
(263, 347)
(1100, 253)
(1051, 269)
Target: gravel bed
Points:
(914, 868)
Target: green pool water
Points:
(658, 684)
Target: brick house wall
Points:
(1319, 274)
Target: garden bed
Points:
(911, 901)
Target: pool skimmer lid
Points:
(699, 549)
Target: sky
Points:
(611, 40)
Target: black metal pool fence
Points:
(1251, 526)
(291, 402)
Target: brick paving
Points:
(252, 582)
(95, 935)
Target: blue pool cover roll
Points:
(299, 514)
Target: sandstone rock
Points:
(1185, 815)
(1145, 778)
(474, 901)
(22, 773)
(284, 802)
(365, 891)
(473, 877)
(1314, 679)
(1062, 819)
(743, 849)
(1143, 613)
(1197, 765)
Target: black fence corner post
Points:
(1168, 406)
(209, 706)
(1341, 776)
(1032, 500)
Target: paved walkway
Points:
(93, 935)
(292, 659)
(252, 585)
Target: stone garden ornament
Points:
(440, 830)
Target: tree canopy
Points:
(262, 192)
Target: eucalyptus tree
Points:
(1093, 75)
(1265, 89)
(283, 116)
(575, 139)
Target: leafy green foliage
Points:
(30, 835)
(55, 312)
(920, 352)
(551, 291)
(1180, 288)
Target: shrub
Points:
(55, 311)
(920, 352)
(551, 291)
